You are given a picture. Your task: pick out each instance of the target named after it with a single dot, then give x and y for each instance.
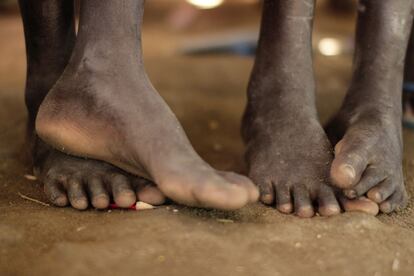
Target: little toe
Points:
(303, 203)
(382, 191)
(328, 204)
(361, 204)
(369, 179)
(76, 193)
(148, 192)
(122, 192)
(55, 192)
(98, 194)
(397, 200)
(348, 165)
(283, 199)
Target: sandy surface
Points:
(257, 240)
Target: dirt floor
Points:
(208, 94)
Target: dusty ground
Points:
(38, 240)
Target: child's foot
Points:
(289, 155)
(367, 131)
(368, 155)
(80, 182)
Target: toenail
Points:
(60, 201)
(266, 199)
(378, 197)
(80, 204)
(98, 200)
(351, 194)
(333, 209)
(305, 212)
(349, 171)
(285, 208)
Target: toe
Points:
(266, 191)
(283, 198)
(224, 195)
(369, 179)
(220, 191)
(122, 192)
(348, 165)
(303, 203)
(243, 181)
(397, 200)
(382, 191)
(206, 189)
(267, 194)
(55, 192)
(328, 205)
(148, 192)
(98, 194)
(76, 193)
(361, 204)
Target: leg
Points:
(288, 153)
(104, 107)
(409, 61)
(50, 37)
(408, 98)
(368, 156)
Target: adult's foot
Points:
(67, 179)
(104, 107)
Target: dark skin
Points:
(409, 64)
(104, 107)
(102, 104)
(367, 131)
(289, 155)
(50, 37)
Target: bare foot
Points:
(288, 153)
(80, 182)
(104, 107)
(367, 131)
(68, 179)
(368, 157)
(290, 163)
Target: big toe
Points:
(243, 182)
(343, 175)
(222, 194)
(151, 194)
(206, 188)
(361, 204)
(348, 165)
